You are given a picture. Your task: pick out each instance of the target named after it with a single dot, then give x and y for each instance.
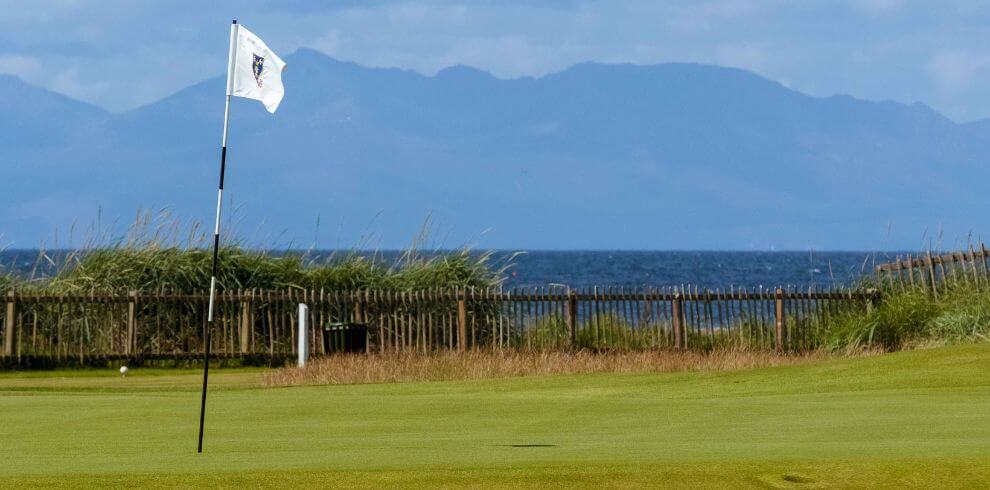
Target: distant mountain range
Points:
(668, 156)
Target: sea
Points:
(630, 269)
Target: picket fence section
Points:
(264, 323)
(935, 272)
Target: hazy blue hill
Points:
(979, 128)
(674, 155)
(37, 118)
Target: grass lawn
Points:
(918, 418)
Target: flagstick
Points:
(216, 228)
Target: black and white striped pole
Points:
(231, 59)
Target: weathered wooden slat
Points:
(921, 262)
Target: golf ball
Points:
(123, 369)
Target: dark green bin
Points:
(339, 338)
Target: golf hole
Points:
(798, 479)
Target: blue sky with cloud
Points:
(120, 54)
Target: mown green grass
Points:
(919, 418)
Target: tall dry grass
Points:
(446, 366)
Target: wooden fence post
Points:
(572, 317)
(779, 313)
(931, 273)
(131, 319)
(461, 321)
(983, 261)
(910, 260)
(8, 325)
(358, 308)
(972, 265)
(874, 298)
(360, 316)
(677, 314)
(247, 321)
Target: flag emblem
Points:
(255, 71)
(257, 67)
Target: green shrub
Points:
(959, 312)
(6, 281)
(549, 333)
(611, 332)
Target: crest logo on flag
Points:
(257, 67)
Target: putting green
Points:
(916, 418)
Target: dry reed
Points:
(445, 366)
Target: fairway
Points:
(916, 418)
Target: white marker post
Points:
(303, 346)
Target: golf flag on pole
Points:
(257, 71)
(254, 72)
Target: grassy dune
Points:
(918, 418)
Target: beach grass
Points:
(914, 418)
(907, 317)
(160, 252)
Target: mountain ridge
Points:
(698, 148)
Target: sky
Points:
(121, 54)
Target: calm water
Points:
(631, 268)
(705, 269)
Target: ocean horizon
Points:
(607, 268)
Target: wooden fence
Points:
(935, 272)
(71, 329)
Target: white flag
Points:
(256, 72)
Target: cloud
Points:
(705, 17)
(126, 53)
(25, 67)
(877, 7)
(959, 76)
(956, 72)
